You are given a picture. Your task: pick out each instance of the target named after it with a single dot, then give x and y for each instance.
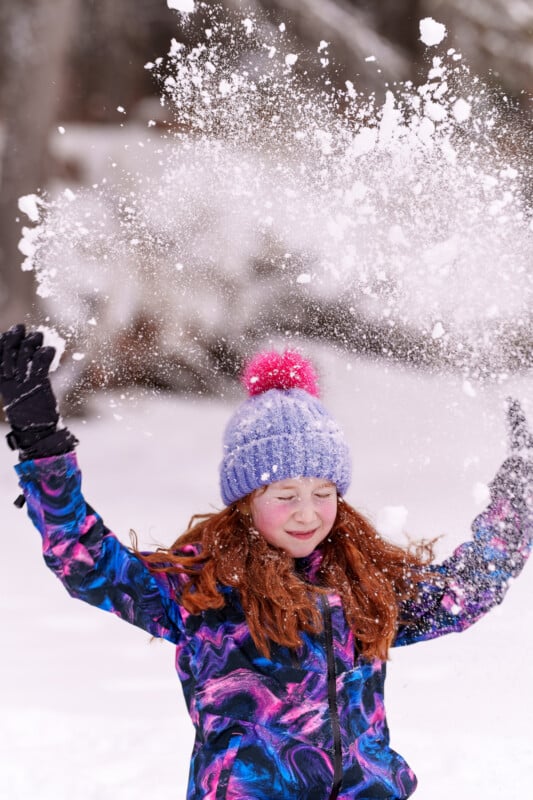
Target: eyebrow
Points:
(326, 484)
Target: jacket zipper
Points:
(332, 701)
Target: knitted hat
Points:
(282, 431)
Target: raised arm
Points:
(477, 575)
(89, 560)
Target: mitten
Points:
(520, 437)
(514, 479)
(29, 402)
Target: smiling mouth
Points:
(302, 534)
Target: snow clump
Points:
(52, 338)
(184, 6)
(431, 32)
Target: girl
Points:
(283, 605)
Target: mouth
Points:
(302, 534)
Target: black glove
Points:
(29, 402)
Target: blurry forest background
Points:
(68, 62)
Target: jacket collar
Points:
(308, 567)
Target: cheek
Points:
(266, 516)
(329, 514)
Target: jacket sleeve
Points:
(88, 559)
(477, 575)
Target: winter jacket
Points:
(305, 725)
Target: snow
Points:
(481, 493)
(52, 338)
(248, 26)
(391, 521)
(92, 709)
(335, 195)
(438, 331)
(461, 110)
(431, 32)
(28, 245)
(468, 388)
(29, 205)
(412, 214)
(185, 6)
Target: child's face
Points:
(295, 514)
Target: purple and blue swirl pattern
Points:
(264, 728)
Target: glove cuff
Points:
(25, 438)
(57, 443)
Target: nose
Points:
(305, 512)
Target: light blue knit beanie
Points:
(282, 431)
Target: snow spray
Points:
(267, 197)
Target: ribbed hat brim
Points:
(310, 454)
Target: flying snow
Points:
(265, 191)
(29, 205)
(185, 6)
(431, 32)
(461, 110)
(52, 338)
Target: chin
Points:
(301, 551)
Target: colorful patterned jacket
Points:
(306, 725)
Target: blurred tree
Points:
(114, 40)
(37, 38)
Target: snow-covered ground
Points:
(92, 709)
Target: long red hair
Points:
(371, 575)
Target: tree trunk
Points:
(36, 37)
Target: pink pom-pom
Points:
(272, 370)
